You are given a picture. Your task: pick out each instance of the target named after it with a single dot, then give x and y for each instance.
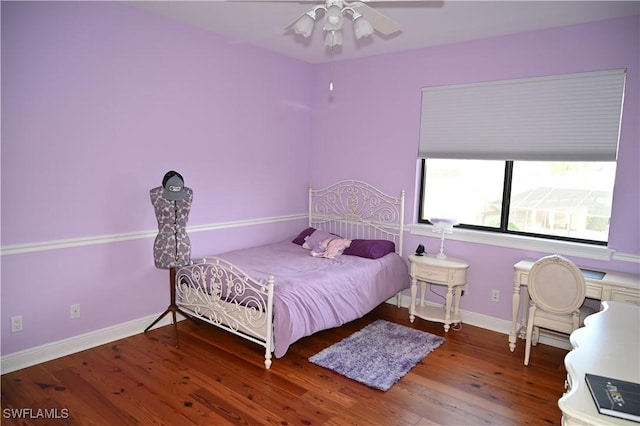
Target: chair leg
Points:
(536, 336)
(527, 348)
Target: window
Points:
(532, 156)
(560, 200)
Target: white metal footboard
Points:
(223, 295)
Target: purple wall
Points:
(375, 113)
(99, 100)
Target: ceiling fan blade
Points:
(292, 23)
(381, 23)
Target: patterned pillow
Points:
(331, 247)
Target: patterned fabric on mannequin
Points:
(172, 247)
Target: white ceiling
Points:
(425, 23)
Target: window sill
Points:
(585, 251)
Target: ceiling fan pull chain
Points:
(331, 71)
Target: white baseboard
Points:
(498, 325)
(49, 351)
(471, 318)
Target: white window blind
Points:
(572, 117)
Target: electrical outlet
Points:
(16, 323)
(465, 290)
(75, 311)
(495, 295)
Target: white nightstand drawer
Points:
(431, 275)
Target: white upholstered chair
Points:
(557, 290)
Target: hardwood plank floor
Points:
(215, 378)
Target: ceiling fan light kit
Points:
(366, 21)
(334, 12)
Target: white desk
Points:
(609, 346)
(613, 286)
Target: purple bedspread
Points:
(313, 294)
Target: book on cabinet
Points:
(615, 397)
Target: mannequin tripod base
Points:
(173, 308)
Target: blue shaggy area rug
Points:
(379, 354)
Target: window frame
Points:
(506, 200)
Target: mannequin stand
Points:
(173, 308)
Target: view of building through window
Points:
(567, 200)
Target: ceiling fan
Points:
(365, 19)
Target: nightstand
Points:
(449, 272)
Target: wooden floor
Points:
(215, 378)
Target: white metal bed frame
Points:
(219, 293)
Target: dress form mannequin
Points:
(172, 247)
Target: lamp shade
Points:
(362, 27)
(304, 25)
(333, 38)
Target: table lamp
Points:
(442, 226)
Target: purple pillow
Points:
(299, 240)
(314, 240)
(371, 249)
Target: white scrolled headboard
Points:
(357, 210)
